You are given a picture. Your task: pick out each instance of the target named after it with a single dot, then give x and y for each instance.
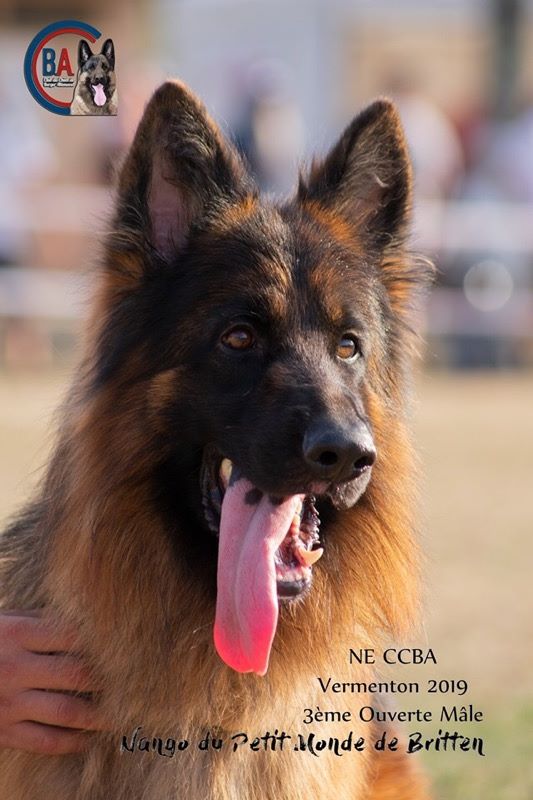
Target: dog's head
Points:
(266, 339)
(96, 72)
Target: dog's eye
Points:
(240, 337)
(348, 347)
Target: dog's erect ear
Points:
(84, 53)
(366, 182)
(366, 177)
(108, 50)
(179, 173)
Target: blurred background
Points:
(283, 77)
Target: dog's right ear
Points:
(84, 53)
(178, 174)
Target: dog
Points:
(95, 93)
(230, 507)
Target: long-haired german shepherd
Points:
(229, 508)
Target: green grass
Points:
(505, 773)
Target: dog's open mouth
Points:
(300, 548)
(99, 95)
(267, 548)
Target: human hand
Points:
(32, 661)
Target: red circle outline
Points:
(53, 35)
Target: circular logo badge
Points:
(51, 62)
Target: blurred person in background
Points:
(435, 145)
(27, 159)
(505, 160)
(270, 132)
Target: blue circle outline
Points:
(34, 44)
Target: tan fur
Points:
(79, 108)
(160, 672)
(98, 558)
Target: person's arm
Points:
(32, 719)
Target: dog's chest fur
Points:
(82, 107)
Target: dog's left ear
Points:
(366, 182)
(366, 177)
(178, 175)
(108, 50)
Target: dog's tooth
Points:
(310, 557)
(297, 518)
(226, 469)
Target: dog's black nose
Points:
(334, 452)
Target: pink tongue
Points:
(247, 600)
(99, 94)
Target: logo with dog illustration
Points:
(68, 73)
